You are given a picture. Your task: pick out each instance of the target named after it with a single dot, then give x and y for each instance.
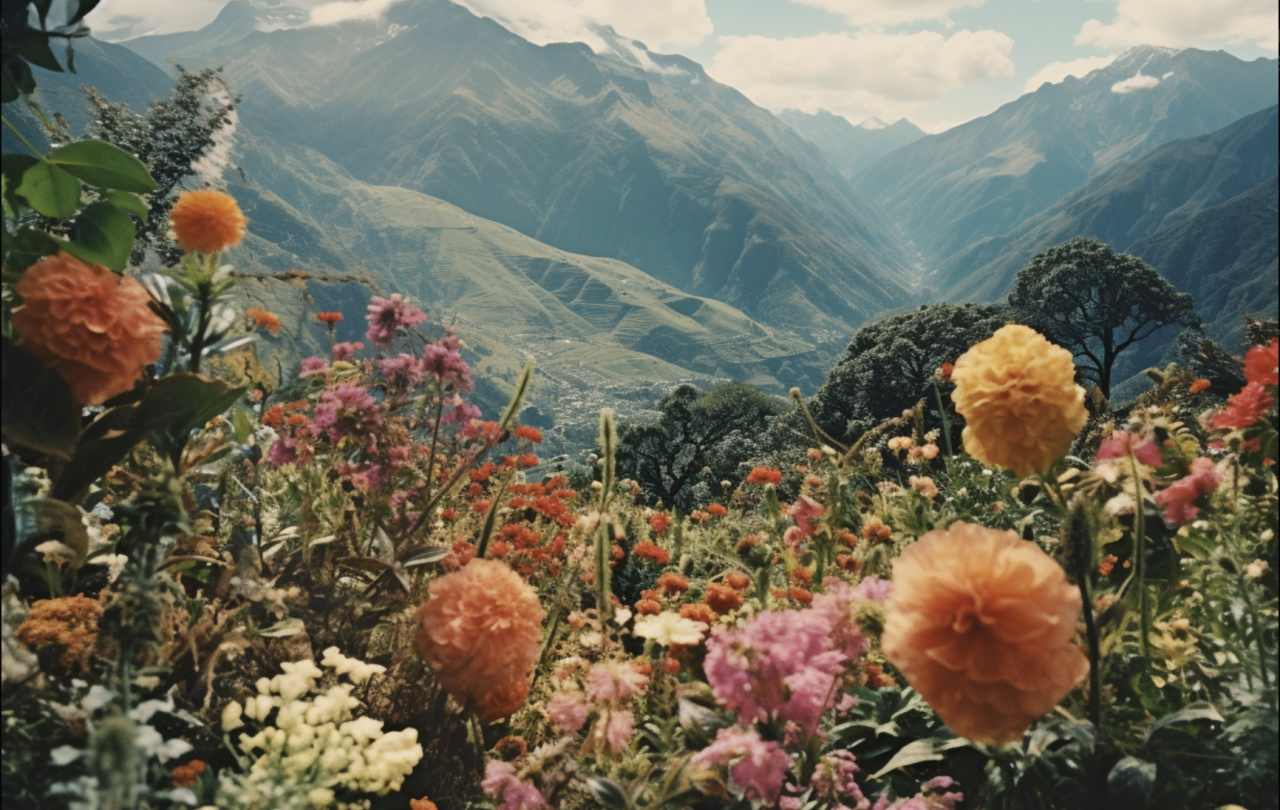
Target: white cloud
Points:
(1181, 23)
(1055, 72)
(1135, 82)
(653, 22)
(862, 74)
(123, 19)
(890, 12)
(341, 11)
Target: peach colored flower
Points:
(480, 630)
(208, 221)
(1018, 395)
(981, 624)
(93, 327)
(503, 701)
(925, 486)
(769, 476)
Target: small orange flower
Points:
(723, 599)
(737, 580)
(187, 775)
(267, 320)
(659, 522)
(802, 595)
(531, 433)
(207, 221)
(653, 552)
(1199, 385)
(329, 318)
(673, 583)
(801, 575)
(648, 607)
(717, 510)
(981, 623)
(765, 475)
(698, 612)
(93, 327)
(422, 804)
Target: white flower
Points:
(1256, 569)
(231, 714)
(669, 627)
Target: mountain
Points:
(625, 154)
(851, 149)
(983, 178)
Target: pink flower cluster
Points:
(1178, 500)
(388, 314)
(403, 370)
(444, 360)
(1122, 443)
(609, 685)
(349, 410)
(759, 766)
(934, 795)
(805, 510)
(833, 776)
(345, 351)
(312, 366)
(502, 783)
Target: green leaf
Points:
(102, 234)
(50, 190)
(105, 165)
(1196, 711)
(1131, 781)
(608, 792)
(427, 556)
(92, 460)
(35, 49)
(242, 426)
(910, 754)
(37, 408)
(180, 403)
(129, 202)
(699, 722)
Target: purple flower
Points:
(284, 450)
(444, 360)
(388, 314)
(403, 370)
(500, 782)
(759, 768)
(345, 351)
(460, 413)
(312, 366)
(348, 410)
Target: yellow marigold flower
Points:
(207, 221)
(1018, 395)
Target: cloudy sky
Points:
(936, 62)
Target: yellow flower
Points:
(1018, 395)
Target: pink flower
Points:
(834, 775)
(1122, 443)
(1179, 498)
(345, 351)
(500, 782)
(1244, 409)
(621, 727)
(444, 360)
(459, 413)
(367, 477)
(568, 710)
(759, 768)
(388, 314)
(1260, 364)
(312, 366)
(805, 510)
(287, 450)
(348, 410)
(873, 589)
(835, 606)
(403, 369)
(612, 681)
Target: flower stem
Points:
(1140, 558)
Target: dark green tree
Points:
(890, 363)
(1097, 303)
(698, 438)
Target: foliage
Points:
(890, 364)
(699, 439)
(1097, 303)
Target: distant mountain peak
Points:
(873, 123)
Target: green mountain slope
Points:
(636, 156)
(851, 149)
(983, 178)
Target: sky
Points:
(936, 62)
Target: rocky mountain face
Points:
(851, 148)
(985, 177)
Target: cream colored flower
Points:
(669, 627)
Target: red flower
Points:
(1245, 408)
(722, 598)
(329, 318)
(648, 550)
(765, 475)
(717, 510)
(1260, 364)
(1178, 499)
(528, 460)
(1198, 385)
(945, 370)
(737, 580)
(659, 522)
(531, 433)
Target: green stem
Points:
(1258, 639)
(1091, 637)
(1140, 557)
(25, 142)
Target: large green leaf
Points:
(36, 405)
(130, 202)
(105, 165)
(102, 234)
(92, 460)
(26, 247)
(49, 189)
(182, 402)
(1131, 781)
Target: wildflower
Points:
(758, 766)
(207, 221)
(768, 476)
(348, 410)
(699, 612)
(91, 326)
(805, 510)
(673, 583)
(312, 366)
(722, 598)
(611, 732)
(901, 443)
(70, 622)
(613, 681)
(737, 580)
(717, 510)
(929, 451)
(422, 804)
(568, 709)
(1256, 569)
(1260, 364)
(659, 522)
(876, 530)
(1178, 499)
(925, 486)
(1122, 443)
(188, 774)
(444, 360)
(403, 369)
(261, 317)
(531, 433)
(527, 460)
(945, 371)
(1017, 392)
(981, 624)
(668, 628)
(388, 314)
(648, 607)
(345, 351)
(501, 783)
(647, 550)
(1198, 385)
(801, 596)
(873, 589)
(480, 629)
(329, 319)
(1243, 409)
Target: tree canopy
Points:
(1097, 303)
(889, 364)
(699, 438)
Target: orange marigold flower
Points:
(802, 595)
(267, 320)
(981, 624)
(1018, 395)
(717, 510)
(71, 622)
(329, 318)
(480, 506)
(1199, 385)
(1260, 364)
(737, 580)
(503, 701)
(93, 327)
(848, 538)
(531, 433)
(528, 460)
(659, 522)
(876, 530)
(801, 575)
(422, 804)
(480, 631)
(208, 221)
(648, 607)
(673, 583)
(698, 612)
(187, 775)
(651, 551)
(765, 475)
(274, 417)
(449, 514)
(722, 598)
(945, 371)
